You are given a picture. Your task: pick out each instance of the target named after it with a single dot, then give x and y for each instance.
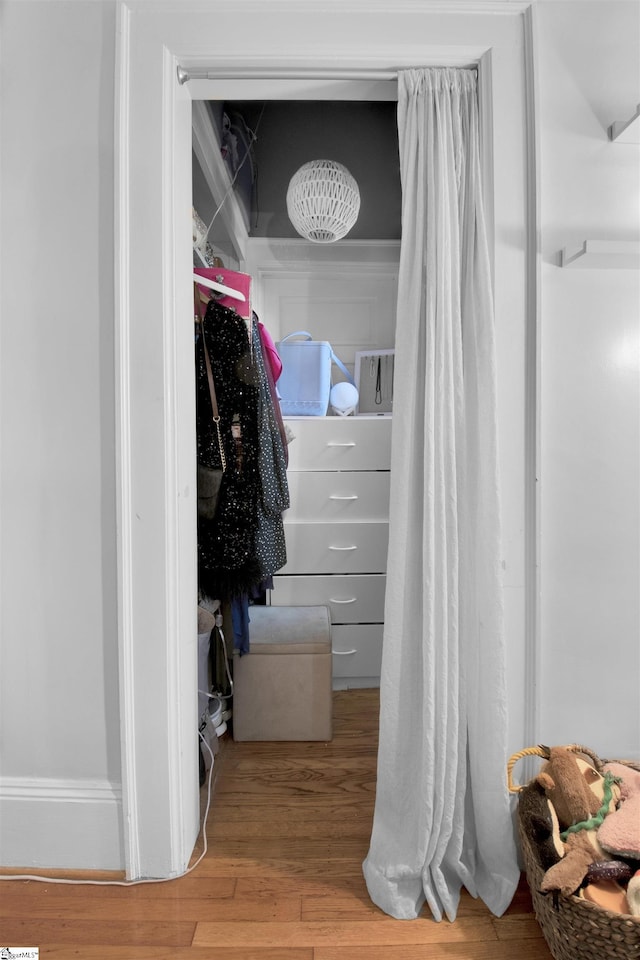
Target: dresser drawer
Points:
(351, 599)
(340, 443)
(336, 547)
(331, 495)
(357, 650)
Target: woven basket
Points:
(574, 929)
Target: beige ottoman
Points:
(282, 687)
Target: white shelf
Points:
(626, 131)
(612, 254)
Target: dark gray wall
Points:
(361, 135)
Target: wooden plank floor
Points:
(282, 878)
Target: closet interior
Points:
(300, 516)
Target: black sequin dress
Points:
(244, 542)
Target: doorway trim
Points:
(155, 455)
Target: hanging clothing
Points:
(240, 623)
(243, 543)
(273, 495)
(442, 817)
(273, 369)
(227, 565)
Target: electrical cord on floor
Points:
(220, 636)
(134, 883)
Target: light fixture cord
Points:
(252, 140)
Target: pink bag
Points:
(269, 347)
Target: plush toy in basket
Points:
(579, 825)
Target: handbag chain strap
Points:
(212, 394)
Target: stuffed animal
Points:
(582, 797)
(605, 884)
(540, 824)
(633, 894)
(619, 833)
(608, 894)
(618, 870)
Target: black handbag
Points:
(209, 483)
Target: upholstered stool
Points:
(282, 687)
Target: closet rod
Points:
(274, 74)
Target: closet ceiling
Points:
(361, 135)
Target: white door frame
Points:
(155, 456)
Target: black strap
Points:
(212, 389)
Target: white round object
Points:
(343, 398)
(323, 201)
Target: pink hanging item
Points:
(233, 279)
(269, 347)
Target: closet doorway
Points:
(155, 454)
(245, 153)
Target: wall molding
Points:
(352, 6)
(62, 824)
(532, 389)
(124, 496)
(302, 254)
(155, 465)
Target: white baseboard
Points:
(60, 824)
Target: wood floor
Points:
(282, 878)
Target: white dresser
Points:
(337, 535)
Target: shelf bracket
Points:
(626, 131)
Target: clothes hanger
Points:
(198, 243)
(219, 287)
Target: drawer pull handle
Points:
(337, 496)
(354, 547)
(335, 600)
(334, 443)
(343, 653)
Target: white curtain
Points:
(442, 815)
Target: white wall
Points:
(589, 76)
(60, 751)
(60, 757)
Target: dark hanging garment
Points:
(273, 495)
(273, 369)
(227, 562)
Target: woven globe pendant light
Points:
(323, 201)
